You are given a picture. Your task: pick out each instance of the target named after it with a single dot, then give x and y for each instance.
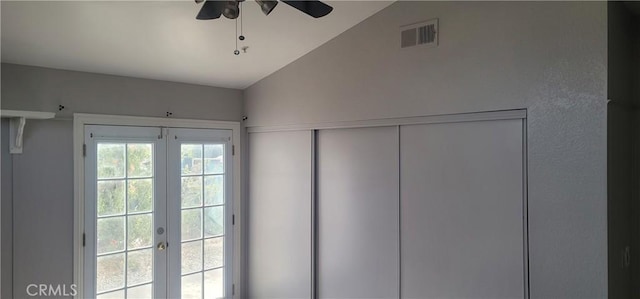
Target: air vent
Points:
(417, 34)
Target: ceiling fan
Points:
(212, 9)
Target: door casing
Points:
(79, 122)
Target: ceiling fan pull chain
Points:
(241, 37)
(236, 52)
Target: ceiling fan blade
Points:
(211, 10)
(313, 8)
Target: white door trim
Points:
(175, 138)
(125, 134)
(79, 122)
(399, 121)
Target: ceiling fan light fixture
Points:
(267, 6)
(232, 9)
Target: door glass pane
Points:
(213, 284)
(213, 190)
(213, 252)
(110, 272)
(110, 198)
(139, 163)
(112, 295)
(214, 221)
(139, 266)
(191, 159)
(191, 224)
(140, 195)
(213, 158)
(124, 242)
(140, 232)
(203, 227)
(191, 257)
(140, 292)
(191, 191)
(110, 236)
(192, 286)
(110, 160)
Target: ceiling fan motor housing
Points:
(267, 6)
(213, 9)
(232, 9)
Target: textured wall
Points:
(547, 57)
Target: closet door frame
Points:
(80, 120)
(520, 114)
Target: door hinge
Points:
(84, 150)
(233, 219)
(233, 289)
(233, 150)
(84, 239)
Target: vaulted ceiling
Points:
(163, 40)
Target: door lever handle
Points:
(162, 246)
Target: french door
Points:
(158, 213)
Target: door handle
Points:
(162, 246)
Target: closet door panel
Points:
(358, 212)
(279, 223)
(462, 204)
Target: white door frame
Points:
(120, 135)
(176, 138)
(79, 122)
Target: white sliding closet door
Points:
(462, 210)
(279, 250)
(358, 213)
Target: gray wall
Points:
(43, 207)
(550, 58)
(619, 145)
(6, 208)
(43, 89)
(43, 174)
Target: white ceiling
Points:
(163, 40)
